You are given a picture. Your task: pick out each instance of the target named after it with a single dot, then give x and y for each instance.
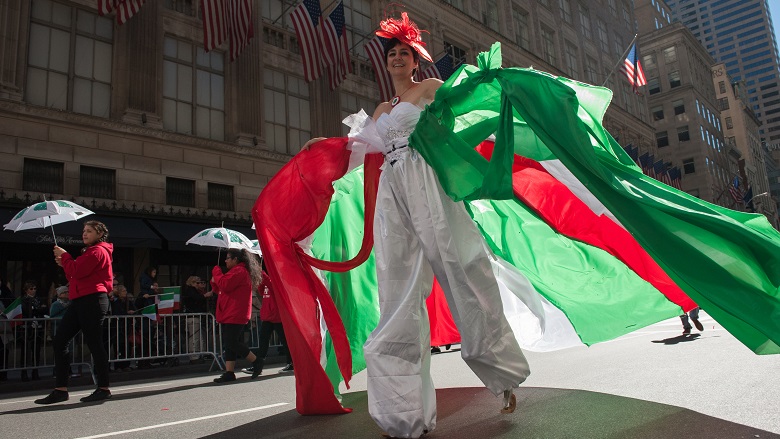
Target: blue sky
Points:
(774, 9)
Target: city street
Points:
(653, 383)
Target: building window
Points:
(674, 79)
(658, 113)
(359, 26)
(193, 90)
(722, 86)
(723, 104)
(626, 16)
(287, 112)
(688, 166)
(185, 7)
(585, 21)
(565, 10)
(679, 107)
(682, 134)
(653, 86)
(603, 36)
(276, 11)
(522, 34)
(457, 54)
(69, 59)
(591, 70)
(97, 182)
(220, 197)
(179, 192)
(548, 45)
(662, 139)
(490, 15)
(729, 123)
(43, 176)
(649, 62)
(612, 7)
(457, 3)
(670, 55)
(572, 66)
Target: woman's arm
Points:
(84, 265)
(229, 282)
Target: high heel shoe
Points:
(510, 402)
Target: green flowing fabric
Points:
(354, 292)
(726, 261)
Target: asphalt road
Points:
(649, 384)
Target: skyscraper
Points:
(739, 33)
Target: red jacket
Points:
(268, 311)
(234, 294)
(91, 272)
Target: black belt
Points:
(394, 148)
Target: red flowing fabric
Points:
(290, 208)
(443, 329)
(570, 216)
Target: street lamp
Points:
(759, 195)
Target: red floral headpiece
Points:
(405, 31)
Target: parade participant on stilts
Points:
(420, 232)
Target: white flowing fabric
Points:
(419, 232)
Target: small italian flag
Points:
(165, 303)
(14, 311)
(176, 291)
(150, 312)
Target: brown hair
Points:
(100, 228)
(242, 255)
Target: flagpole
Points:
(283, 12)
(621, 60)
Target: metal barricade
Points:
(26, 344)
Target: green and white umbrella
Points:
(221, 237)
(256, 247)
(46, 214)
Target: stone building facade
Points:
(161, 139)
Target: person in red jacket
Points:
(90, 278)
(270, 321)
(234, 308)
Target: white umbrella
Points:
(221, 237)
(256, 247)
(46, 214)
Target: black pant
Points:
(233, 341)
(266, 329)
(85, 314)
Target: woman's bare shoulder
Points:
(430, 86)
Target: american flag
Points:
(375, 49)
(736, 194)
(124, 8)
(632, 68)
(441, 69)
(334, 40)
(227, 19)
(645, 163)
(306, 17)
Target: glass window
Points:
(220, 197)
(43, 176)
(97, 182)
(729, 123)
(193, 90)
(653, 86)
(287, 112)
(648, 61)
(688, 166)
(612, 7)
(490, 14)
(572, 66)
(662, 139)
(722, 86)
(179, 192)
(603, 38)
(674, 79)
(548, 45)
(679, 107)
(69, 59)
(682, 134)
(670, 55)
(522, 33)
(658, 113)
(565, 10)
(591, 70)
(585, 21)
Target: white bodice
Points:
(395, 127)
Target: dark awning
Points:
(178, 233)
(122, 232)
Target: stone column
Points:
(14, 28)
(138, 68)
(246, 88)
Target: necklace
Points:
(397, 98)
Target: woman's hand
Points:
(58, 251)
(311, 142)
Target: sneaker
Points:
(225, 378)
(698, 324)
(248, 370)
(98, 395)
(287, 369)
(54, 397)
(686, 331)
(436, 350)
